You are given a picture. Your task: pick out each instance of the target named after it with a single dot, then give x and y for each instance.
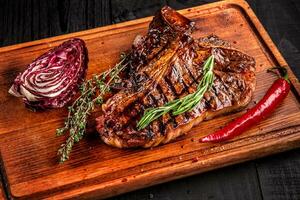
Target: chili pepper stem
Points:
(282, 72)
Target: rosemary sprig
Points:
(92, 92)
(187, 103)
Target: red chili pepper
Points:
(274, 96)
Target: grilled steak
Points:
(165, 65)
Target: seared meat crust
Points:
(165, 65)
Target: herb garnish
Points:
(187, 103)
(92, 93)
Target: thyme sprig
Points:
(92, 94)
(187, 103)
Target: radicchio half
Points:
(52, 79)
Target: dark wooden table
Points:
(274, 177)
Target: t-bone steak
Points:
(164, 65)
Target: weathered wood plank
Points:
(77, 15)
(236, 182)
(281, 20)
(2, 192)
(33, 19)
(28, 20)
(129, 10)
(181, 4)
(280, 176)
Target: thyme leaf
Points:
(92, 94)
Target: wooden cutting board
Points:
(2, 193)
(28, 144)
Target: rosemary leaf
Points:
(185, 104)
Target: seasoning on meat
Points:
(167, 64)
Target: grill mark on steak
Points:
(188, 78)
(161, 100)
(166, 91)
(170, 93)
(214, 100)
(227, 88)
(191, 72)
(167, 84)
(152, 125)
(175, 86)
(169, 121)
(195, 69)
(187, 81)
(165, 99)
(222, 93)
(179, 74)
(167, 64)
(231, 88)
(148, 101)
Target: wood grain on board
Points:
(278, 172)
(28, 143)
(2, 192)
